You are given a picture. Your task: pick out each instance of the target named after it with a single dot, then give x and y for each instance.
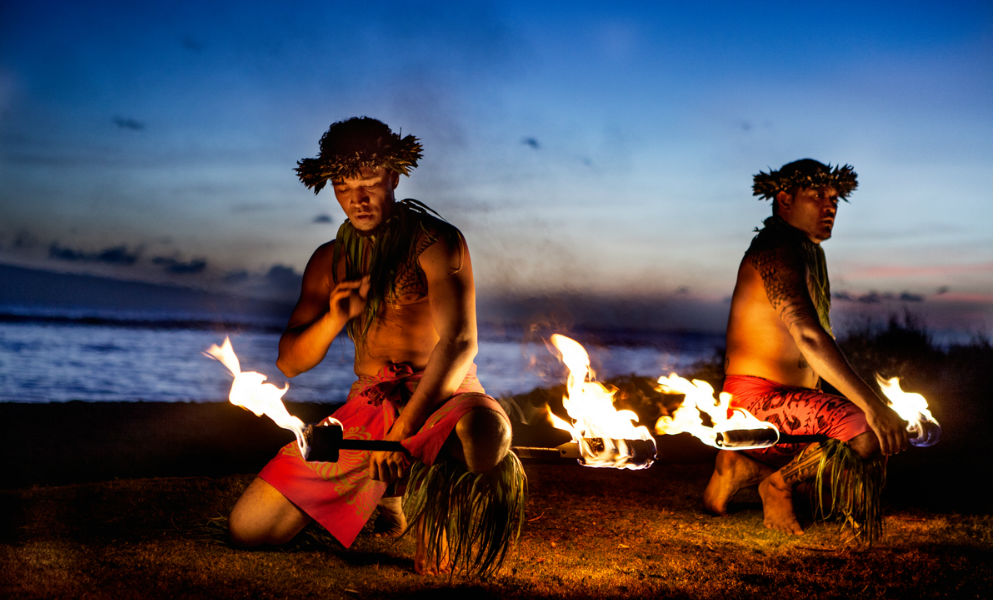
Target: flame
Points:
(250, 392)
(591, 409)
(702, 415)
(911, 407)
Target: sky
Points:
(592, 153)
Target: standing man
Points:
(399, 281)
(779, 345)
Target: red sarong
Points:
(794, 410)
(340, 496)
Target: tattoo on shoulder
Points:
(783, 274)
(424, 242)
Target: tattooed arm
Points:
(784, 277)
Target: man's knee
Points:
(263, 516)
(242, 531)
(485, 437)
(865, 445)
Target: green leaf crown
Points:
(803, 174)
(350, 147)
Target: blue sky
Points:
(592, 149)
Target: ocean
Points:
(65, 357)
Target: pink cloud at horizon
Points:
(902, 271)
(962, 298)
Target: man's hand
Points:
(389, 466)
(348, 298)
(889, 428)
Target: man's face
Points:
(812, 210)
(367, 199)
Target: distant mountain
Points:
(37, 293)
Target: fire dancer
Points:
(399, 280)
(779, 345)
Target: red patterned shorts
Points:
(340, 496)
(794, 410)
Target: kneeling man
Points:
(779, 345)
(399, 280)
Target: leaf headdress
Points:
(352, 146)
(805, 173)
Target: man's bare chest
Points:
(408, 287)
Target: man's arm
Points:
(452, 298)
(784, 277)
(321, 312)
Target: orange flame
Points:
(250, 392)
(591, 409)
(912, 408)
(701, 415)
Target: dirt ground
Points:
(147, 532)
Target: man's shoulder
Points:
(434, 229)
(770, 239)
(775, 242)
(327, 249)
(774, 255)
(323, 256)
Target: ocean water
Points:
(98, 361)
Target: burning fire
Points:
(592, 411)
(701, 415)
(923, 428)
(704, 417)
(250, 392)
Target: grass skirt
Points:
(855, 489)
(480, 514)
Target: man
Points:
(779, 345)
(399, 281)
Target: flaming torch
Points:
(712, 420)
(321, 442)
(250, 392)
(921, 426)
(717, 424)
(602, 435)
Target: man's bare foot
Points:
(733, 472)
(424, 562)
(779, 512)
(389, 518)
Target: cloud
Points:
(874, 297)
(283, 277)
(177, 267)
(114, 255)
(942, 271)
(238, 276)
(531, 143)
(128, 123)
(24, 239)
(324, 218)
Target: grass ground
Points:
(589, 533)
